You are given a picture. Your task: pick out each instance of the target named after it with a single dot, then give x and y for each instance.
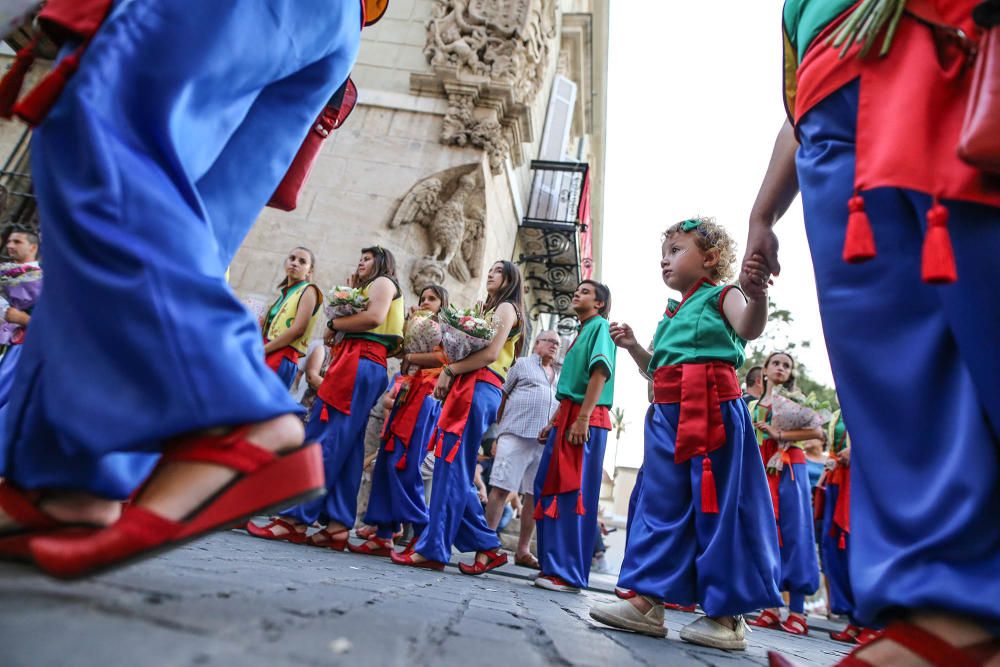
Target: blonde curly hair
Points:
(710, 235)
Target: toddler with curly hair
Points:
(702, 528)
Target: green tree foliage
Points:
(778, 336)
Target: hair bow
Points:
(689, 225)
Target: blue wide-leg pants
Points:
(916, 369)
(799, 564)
(835, 557)
(566, 544)
(150, 171)
(727, 562)
(342, 437)
(455, 516)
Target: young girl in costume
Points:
(470, 389)
(289, 322)
(568, 483)
(397, 495)
(702, 529)
(783, 424)
(356, 378)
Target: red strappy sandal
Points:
(766, 619)
(31, 523)
(407, 559)
(329, 541)
(868, 635)
(411, 545)
(384, 548)
(930, 647)
(848, 635)
(496, 559)
(796, 624)
(267, 482)
(267, 532)
(365, 532)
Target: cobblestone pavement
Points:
(233, 600)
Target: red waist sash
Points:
(338, 384)
(565, 472)
(455, 411)
(274, 359)
(410, 400)
(788, 457)
(700, 389)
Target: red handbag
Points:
(979, 142)
(286, 196)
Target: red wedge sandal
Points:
(31, 523)
(267, 532)
(496, 559)
(766, 619)
(931, 648)
(327, 539)
(796, 624)
(267, 482)
(384, 547)
(848, 635)
(407, 559)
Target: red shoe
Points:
(384, 548)
(365, 532)
(411, 545)
(867, 635)
(267, 532)
(407, 559)
(31, 523)
(848, 635)
(766, 619)
(496, 559)
(796, 624)
(326, 539)
(679, 607)
(267, 482)
(624, 593)
(931, 648)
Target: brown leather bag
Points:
(979, 142)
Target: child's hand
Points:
(755, 277)
(622, 335)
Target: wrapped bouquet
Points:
(465, 330)
(20, 285)
(342, 301)
(793, 411)
(422, 333)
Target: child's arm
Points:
(424, 359)
(624, 337)
(579, 430)
(747, 317)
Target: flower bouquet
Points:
(342, 301)
(794, 411)
(422, 333)
(465, 330)
(20, 285)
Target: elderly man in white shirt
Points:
(529, 403)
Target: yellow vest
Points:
(506, 358)
(390, 332)
(282, 312)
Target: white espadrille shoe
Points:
(623, 614)
(707, 632)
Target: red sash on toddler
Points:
(565, 472)
(700, 389)
(455, 411)
(338, 384)
(415, 388)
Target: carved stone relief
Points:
(451, 206)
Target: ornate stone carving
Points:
(451, 206)
(491, 56)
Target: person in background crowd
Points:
(754, 384)
(289, 322)
(317, 363)
(470, 388)
(397, 494)
(355, 380)
(781, 450)
(568, 485)
(701, 525)
(529, 402)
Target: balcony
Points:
(555, 238)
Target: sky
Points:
(694, 105)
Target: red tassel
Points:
(553, 511)
(324, 416)
(34, 106)
(781, 542)
(580, 509)
(454, 450)
(842, 544)
(538, 510)
(709, 498)
(401, 463)
(13, 80)
(859, 242)
(439, 447)
(390, 444)
(938, 261)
